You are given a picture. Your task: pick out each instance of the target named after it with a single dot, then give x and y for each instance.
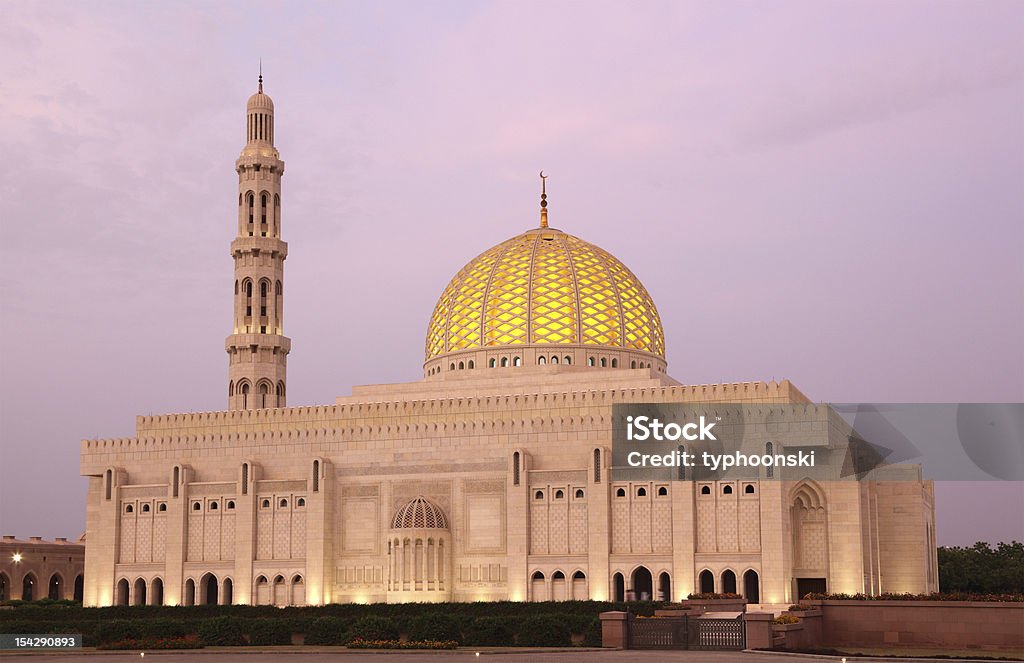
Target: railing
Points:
(658, 632)
(719, 634)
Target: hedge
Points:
(475, 624)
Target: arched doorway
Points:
(579, 586)
(558, 586)
(121, 595)
(751, 587)
(156, 595)
(538, 589)
(28, 587)
(728, 582)
(279, 591)
(208, 589)
(140, 592)
(228, 594)
(664, 587)
(619, 588)
(56, 588)
(298, 591)
(79, 588)
(707, 582)
(190, 592)
(262, 591)
(643, 584)
(5, 587)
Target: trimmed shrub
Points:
(543, 631)
(372, 627)
(221, 632)
(327, 631)
(263, 632)
(435, 627)
(118, 630)
(490, 632)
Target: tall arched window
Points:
(277, 215)
(248, 299)
(263, 299)
(769, 470)
(597, 466)
(681, 470)
(245, 396)
(251, 204)
(515, 469)
(264, 391)
(316, 476)
(263, 215)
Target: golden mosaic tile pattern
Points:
(544, 286)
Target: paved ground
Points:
(354, 656)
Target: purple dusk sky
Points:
(826, 192)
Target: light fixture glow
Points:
(16, 557)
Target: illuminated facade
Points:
(488, 479)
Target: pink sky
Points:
(825, 192)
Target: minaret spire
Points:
(543, 200)
(257, 347)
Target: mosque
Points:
(488, 479)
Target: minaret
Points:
(258, 349)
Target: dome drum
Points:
(549, 358)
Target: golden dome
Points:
(544, 286)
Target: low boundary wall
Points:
(952, 624)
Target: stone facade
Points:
(37, 569)
(489, 479)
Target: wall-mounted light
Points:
(16, 557)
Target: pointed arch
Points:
(808, 494)
(729, 582)
(5, 587)
(618, 587)
(121, 592)
(55, 588)
(706, 581)
(156, 592)
(139, 592)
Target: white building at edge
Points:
(489, 478)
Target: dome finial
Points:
(261, 76)
(543, 200)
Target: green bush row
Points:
(544, 629)
(52, 612)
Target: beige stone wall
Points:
(517, 460)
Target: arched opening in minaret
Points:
(263, 215)
(278, 291)
(247, 285)
(245, 395)
(264, 392)
(280, 394)
(251, 204)
(277, 215)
